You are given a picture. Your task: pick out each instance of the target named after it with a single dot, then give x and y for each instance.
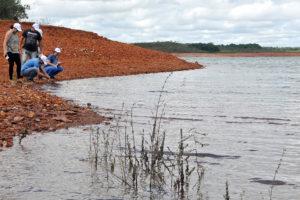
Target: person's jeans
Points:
(26, 54)
(30, 73)
(52, 71)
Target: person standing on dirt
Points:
(35, 67)
(53, 66)
(31, 38)
(12, 49)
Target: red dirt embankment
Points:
(84, 55)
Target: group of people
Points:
(30, 61)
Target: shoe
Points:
(30, 80)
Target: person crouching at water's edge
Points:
(53, 67)
(12, 50)
(35, 67)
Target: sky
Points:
(273, 23)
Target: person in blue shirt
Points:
(34, 67)
(53, 66)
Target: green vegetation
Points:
(209, 47)
(13, 9)
(241, 48)
(175, 47)
(171, 47)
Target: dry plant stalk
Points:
(150, 166)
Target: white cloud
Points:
(267, 22)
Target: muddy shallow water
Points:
(246, 109)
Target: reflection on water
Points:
(248, 108)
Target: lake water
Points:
(247, 111)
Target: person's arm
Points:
(6, 38)
(39, 42)
(41, 46)
(58, 64)
(21, 43)
(50, 63)
(23, 39)
(44, 72)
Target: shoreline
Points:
(26, 109)
(23, 108)
(266, 54)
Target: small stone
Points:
(31, 114)
(60, 125)
(62, 119)
(71, 113)
(18, 119)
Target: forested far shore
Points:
(175, 47)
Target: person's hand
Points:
(4, 54)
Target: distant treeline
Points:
(175, 47)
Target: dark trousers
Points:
(14, 58)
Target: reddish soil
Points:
(84, 55)
(272, 54)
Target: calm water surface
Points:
(248, 109)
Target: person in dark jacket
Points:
(31, 39)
